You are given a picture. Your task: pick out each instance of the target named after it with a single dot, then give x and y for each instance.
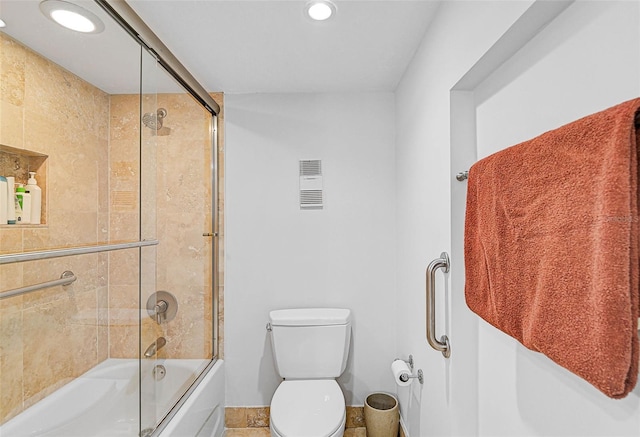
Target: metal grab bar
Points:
(83, 250)
(66, 278)
(443, 344)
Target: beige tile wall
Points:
(51, 336)
(46, 109)
(178, 158)
(123, 225)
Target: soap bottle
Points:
(4, 199)
(11, 200)
(36, 198)
(23, 205)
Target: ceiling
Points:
(245, 46)
(241, 46)
(109, 60)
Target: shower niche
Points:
(18, 163)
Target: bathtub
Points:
(104, 402)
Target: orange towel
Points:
(551, 246)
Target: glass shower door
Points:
(117, 163)
(176, 292)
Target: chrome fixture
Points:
(442, 345)
(146, 432)
(160, 310)
(162, 306)
(154, 121)
(462, 176)
(405, 377)
(66, 278)
(58, 253)
(159, 372)
(155, 347)
(409, 361)
(71, 16)
(420, 376)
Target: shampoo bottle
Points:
(4, 200)
(23, 205)
(11, 200)
(36, 198)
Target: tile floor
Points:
(264, 432)
(247, 432)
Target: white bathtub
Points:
(104, 402)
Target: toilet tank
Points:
(310, 343)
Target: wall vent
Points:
(311, 195)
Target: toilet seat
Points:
(308, 408)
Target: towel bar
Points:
(443, 344)
(462, 176)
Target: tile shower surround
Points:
(72, 129)
(47, 109)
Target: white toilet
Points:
(310, 348)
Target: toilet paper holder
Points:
(405, 376)
(409, 361)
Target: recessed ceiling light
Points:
(320, 10)
(71, 16)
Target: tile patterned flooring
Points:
(247, 432)
(264, 432)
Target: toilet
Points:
(310, 348)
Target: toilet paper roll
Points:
(398, 368)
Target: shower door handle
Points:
(441, 345)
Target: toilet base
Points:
(339, 432)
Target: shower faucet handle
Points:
(161, 310)
(162, 306)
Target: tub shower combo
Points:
(108, 307)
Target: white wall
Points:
(586, 60)
(383, 224)
(280, 257)
(459, 35)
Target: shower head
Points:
(154, 121)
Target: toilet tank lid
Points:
(310, 317)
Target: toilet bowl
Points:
(310, 348)
(312, 408)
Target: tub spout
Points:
(155, 347)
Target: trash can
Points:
(381, 415)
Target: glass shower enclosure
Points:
(107, 300)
